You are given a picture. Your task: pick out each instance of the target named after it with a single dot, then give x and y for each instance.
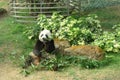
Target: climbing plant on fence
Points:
(91, 4)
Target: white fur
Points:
(43, 34)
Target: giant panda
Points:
(45, 42)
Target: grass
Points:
(108, 16)
(3, 3)
(12, 41)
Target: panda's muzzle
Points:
(44, 39)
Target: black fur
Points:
(49, 46)
(38, 47)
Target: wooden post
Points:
(41, 6)
(68, 3)
(79, 6)
(14, 5)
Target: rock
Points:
(2, 11)
(92, 52)
(60, 45)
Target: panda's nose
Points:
(44, 39)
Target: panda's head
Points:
(45, 35)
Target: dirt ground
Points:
(10, 72)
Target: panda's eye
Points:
(46, 36)
(41, 35)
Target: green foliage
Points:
(60, 62)
(32, 32)
(52, 23)
(65, 61)
(89, 63)
(55, 64)
(30, 69)
(117, 31)
(25, 72)
(77, 31)
(108, 41)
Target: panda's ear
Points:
(42, 29)
(51, 30)
(56, 30)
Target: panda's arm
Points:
(38, 47)
(50, 46)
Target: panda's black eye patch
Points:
(46, 36)
(41, 35)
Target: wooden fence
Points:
(28, 10)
